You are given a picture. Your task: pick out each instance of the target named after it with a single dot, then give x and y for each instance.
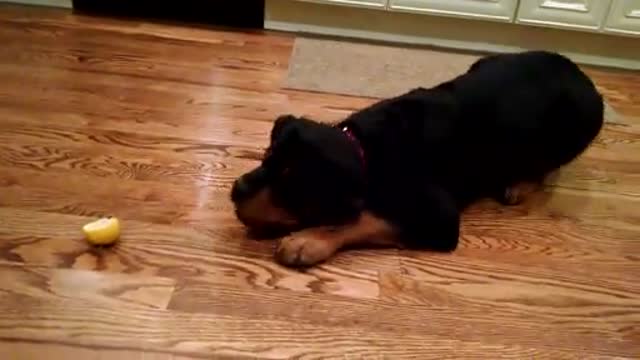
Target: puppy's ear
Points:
(294, 134)
(284, 127)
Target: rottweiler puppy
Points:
(399, 172)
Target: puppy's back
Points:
(531, 112)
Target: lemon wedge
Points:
(103, 231)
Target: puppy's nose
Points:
(240, 190)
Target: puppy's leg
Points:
(315, 245)
(425, 217)
(516, 194)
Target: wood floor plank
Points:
(167, 202)
(609, 164)
(532, 231)
(148, 101)
(180, 334)
(42, 142)
(451, 272)
(221, 256)
(561, 295)
(619, 87)
(58, 350)
(230, 71)
(560, 218)
(143, 99)
(586, 317)
(196, 137)
(109, 289)
(163, 203)
(119, 155)
(83, 321)
(466, 321)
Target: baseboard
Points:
(53, 3)
(460, 34)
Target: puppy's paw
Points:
(512, 196)
(516, 194)
(305, 248)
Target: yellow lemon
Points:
(104, 231)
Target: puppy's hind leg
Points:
(517, 193)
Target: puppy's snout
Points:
(247, 185)
(240, 190)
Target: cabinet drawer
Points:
(499, 10)
(379, 4)
(572, 14)
(624, 17)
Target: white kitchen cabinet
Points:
(620, 17)
(499, 10)
(571, 14)
(380, 4)
(624, 17)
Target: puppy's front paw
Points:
(305, 248)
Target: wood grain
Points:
(620, 88)
(468, 321)
(52, 316)
(220, 256)
(29, 350)
(152, 122)
(110, 289)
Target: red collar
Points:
(352, 137)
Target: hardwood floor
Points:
(151, 123)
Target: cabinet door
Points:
(499, 10)
(380, 4)
(573, 14)
(624, 17)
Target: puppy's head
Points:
(311, 175)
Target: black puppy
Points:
(399, 172)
